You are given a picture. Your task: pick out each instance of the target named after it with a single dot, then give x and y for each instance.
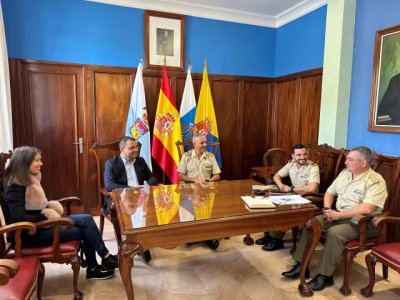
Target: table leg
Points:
(314, 232)
(125, 255)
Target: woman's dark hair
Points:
(17, 171)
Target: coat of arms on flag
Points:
(164, 123)
(141, 126)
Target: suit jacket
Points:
(115, 173)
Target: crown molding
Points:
(217, 13)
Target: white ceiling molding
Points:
(224, 14)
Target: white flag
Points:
(188, 109)
(137, 124)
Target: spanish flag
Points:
(167, 130)
(205, 121)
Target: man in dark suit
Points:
(127, 170)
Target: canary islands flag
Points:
(188, 110)
(205, 121)
(137, 124)
(167, 131)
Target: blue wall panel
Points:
(300, 43)
(93, 33)
(369, 20)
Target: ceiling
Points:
(268, 13)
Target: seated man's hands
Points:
(331, 215)
(285, 188)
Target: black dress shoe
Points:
(264, 240)
(294, 272)
(213, 244)
(319, 282)
(273, 245)
(145, 257)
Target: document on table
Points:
(288, 199)
(258, 202)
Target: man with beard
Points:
(304, 176)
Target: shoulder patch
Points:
(375, 177)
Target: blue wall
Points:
(369, 19)
(300, 43)
(92, 33)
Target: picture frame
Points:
(164, 39)
(384, 114)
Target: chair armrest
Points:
(10, 265)
(68, 201)
(17, 229)
(361, 221)
(104, 192)
(315, 197)
(56, 224)
(381, 223)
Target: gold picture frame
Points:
(384, 112)
(164, 40)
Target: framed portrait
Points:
(384, 114)
(164, 40)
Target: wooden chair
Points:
(181, 145)
(330, 162)
(56, 253)
(384, 252)
(103, 152)
(20, 276)
(389, 168)
(275, 157)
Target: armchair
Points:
(21, 276)
(103, 152)
(56, 253)
(384, 252)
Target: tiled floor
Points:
(234, 271)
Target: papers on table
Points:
(264, 188)
(288, 199)
(258, 202)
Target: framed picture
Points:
(384, 113)
(164, 40)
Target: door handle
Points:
(80, 143)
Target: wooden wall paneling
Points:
(54, 95)
(310, 95)
(108, 96)
(238, 100)
(226, 105)
(285, 124)
(19, 111)
(256, 123)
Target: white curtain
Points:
(6, 138)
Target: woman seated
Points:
(25, 200)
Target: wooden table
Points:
(170, 215)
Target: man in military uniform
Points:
(359, 190)
(304, 176)
(199, 166)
